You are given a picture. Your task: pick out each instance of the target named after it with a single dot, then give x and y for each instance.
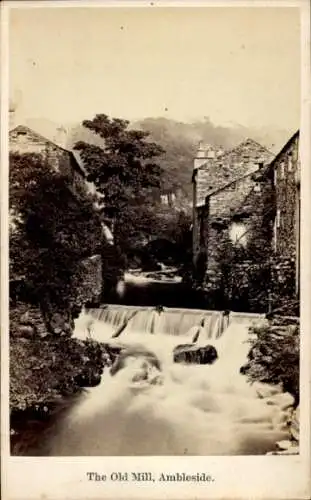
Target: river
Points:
(151, 289)
(180, 410)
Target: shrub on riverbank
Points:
(44, 367)
(274, 355)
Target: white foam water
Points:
(194, 410)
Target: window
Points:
(238, 234)
(275, 176)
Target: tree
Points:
(124, 171)
(51, 229)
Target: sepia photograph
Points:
(154, 233)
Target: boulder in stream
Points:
(194, 354)
(135, 352)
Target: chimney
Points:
(201, 156)
(204, 154)
(211, 153)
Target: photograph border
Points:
(57, 478)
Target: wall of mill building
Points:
(247, 209)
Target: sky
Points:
(234, 65)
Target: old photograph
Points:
(154, 231)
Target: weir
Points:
(170, 321)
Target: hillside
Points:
(180, 142)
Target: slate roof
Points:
(240, 162)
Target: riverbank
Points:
(46, 368)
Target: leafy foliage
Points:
(51, 229)
(274, 357)
(124, 164)
(45, 367)
(123, 170)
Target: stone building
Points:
(286, 242)
(246, 224)
(23, 140)
(215, 175)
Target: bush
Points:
(51, 232)
(42, 371)
(274, 357)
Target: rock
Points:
(182, 347)
(194, 354)
(137, 351)
(26, 331)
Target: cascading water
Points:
(177, 322)
(194, 410)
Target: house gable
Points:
(246, 158)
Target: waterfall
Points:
(103, 322)
(190, 410)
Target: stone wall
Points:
(283, 285)
(248, 286)
(286, 168)
(236, 234)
